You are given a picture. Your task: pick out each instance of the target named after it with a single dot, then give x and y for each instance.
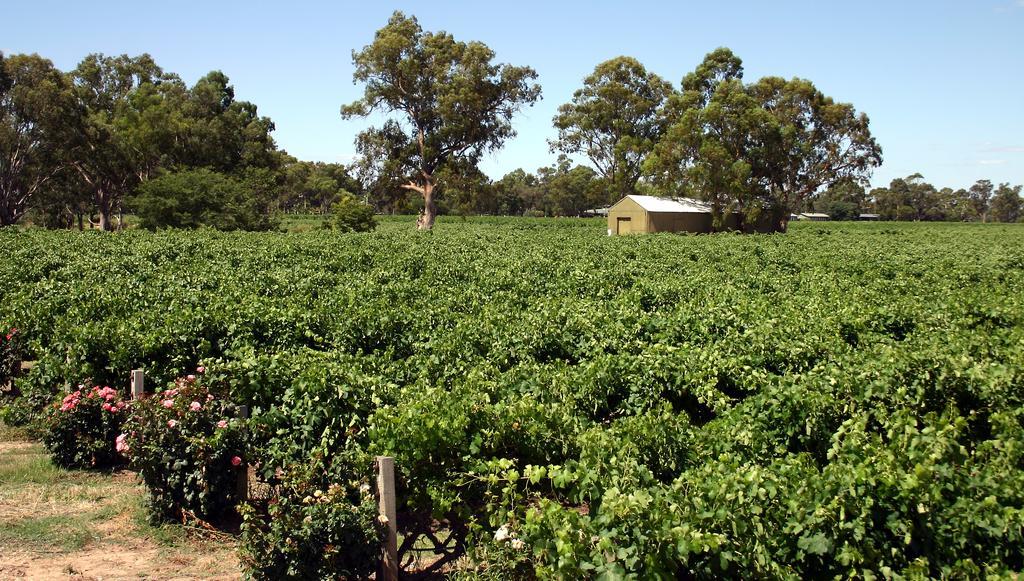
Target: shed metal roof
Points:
(670, 205)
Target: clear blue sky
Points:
(941, 80)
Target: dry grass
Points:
(57, 523)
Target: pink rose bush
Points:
(82, 428)
(187, 450)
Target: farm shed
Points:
(648, 214)
(635, 214)
(814, 217)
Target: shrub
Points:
(188, 450)
(81, 430)
(200, 197)
(9, 358)
(32, 398)
(350, 214)
(501, 555)
(311, 529)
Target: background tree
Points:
(954, 205)
(762, 149)
(468, 190)
(615, 121)
(712, 144)
(453, 103)
(517, 192)
(314, 186)
(1006, 204)
(817, 142)
(980, 195)
(844, 200)
(224, 134)
(37, 115)
(63, 202)
(132, 120)
(909, 198)
(568, 190)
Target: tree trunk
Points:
(103, 203)
(429, 213)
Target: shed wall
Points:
(624, 209)
(680, 222)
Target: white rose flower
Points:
(502, 534)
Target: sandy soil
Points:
(78, 525)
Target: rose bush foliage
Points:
(82, 428)
(9, 353)
(189, 448)
(320, 524)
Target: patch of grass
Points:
(12, 434)
(163, 534)
(55, 514)
(25, 465)
(53, 532)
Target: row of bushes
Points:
(200, 197)
(190, 446)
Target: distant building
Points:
(648, 214)
(594, 212)
(814, 217)
(869, 217)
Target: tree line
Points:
(120, 134)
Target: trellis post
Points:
(388, 515)
(138, 383)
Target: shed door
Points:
(623, 226)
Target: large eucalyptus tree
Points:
(451, 104)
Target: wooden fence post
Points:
(243, 476)
(138, 383)
(388, 515)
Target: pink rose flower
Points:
(200, 369)
(168, 403)
(236, 461)
(172, 423)
(190, 377)
(107, 407)
(120, 444)
(222, 424)
(195, 406)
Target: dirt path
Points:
(57, 524)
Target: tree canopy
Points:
(762, 149)
(614, 120)
(453, 104)
(36, 110)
